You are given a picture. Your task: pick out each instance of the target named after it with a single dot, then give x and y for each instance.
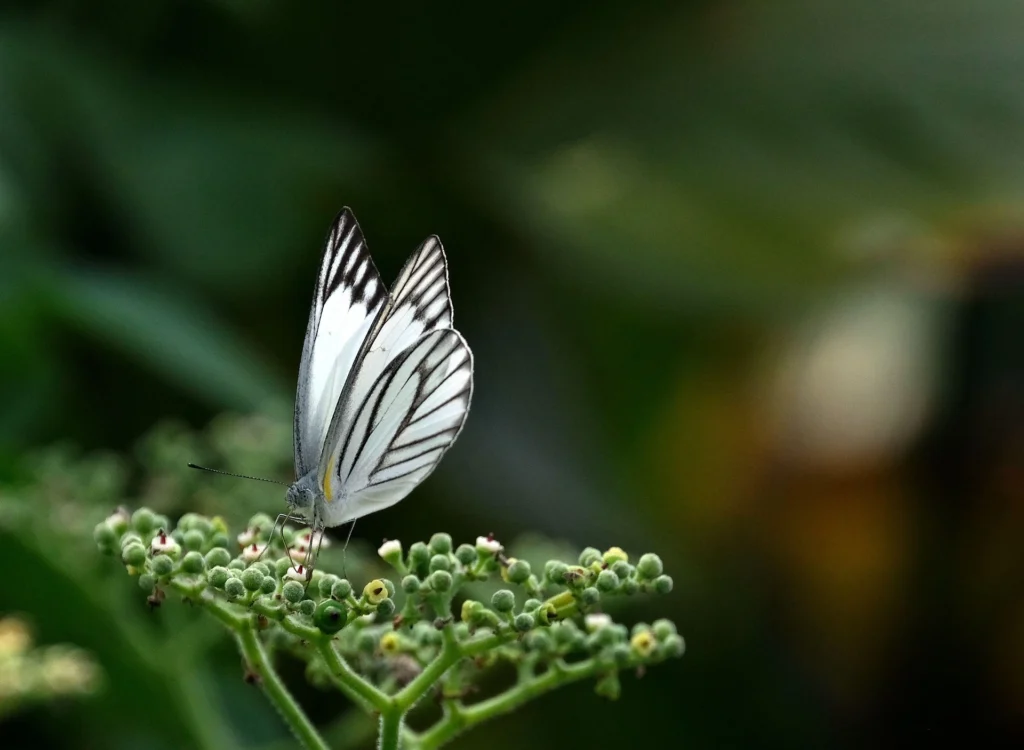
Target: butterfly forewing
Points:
(348, 297)
(410, 416)
(419, 302)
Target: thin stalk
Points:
(276, 692)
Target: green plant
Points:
(386, 647)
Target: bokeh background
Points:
(744, 281)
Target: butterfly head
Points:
(301, 496)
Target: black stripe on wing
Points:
(423, 284)
(347, 263)
(438, 369)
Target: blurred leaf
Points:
(172, 334)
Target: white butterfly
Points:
(385, 382)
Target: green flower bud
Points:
(161, 565)
(589, 556)
(564, 632)
(218, 557)
(410, 584)
(466, 554)
(621, 654)
(326, 583)
(577, 577)
(540, 641)
(517, 571)
(440, 581)
(218, 577)
(218, 539)
(330, 616)
(440, 562)
(144, 522)
(391, 552)
(629, 587)
(503, 600)
(147, 582)
(237, 565)
(649, 566)
(674, 646)
(342, 589)
(118, 521)
(281, 566)
(607, 581)
(178, 535)
(524, 621)
(261, 522)
(663, 584)
(366, 642)
(531, 604)
(622, 569)
(269, 585)
(590, 596)
(613, 555)
(375, 591)
(252, 579)
(385, 609)
(293, 591)
(161, 522)
(663, 629)
(234, 588)
(441, 544)
(643, 643)
(194, 540)
(193, 563)
(608, 686)
(419, 557)
(555, 571)
(469, 610)
(104, 535)
(134, 554)
(307, 607)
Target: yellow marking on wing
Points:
(328, 492)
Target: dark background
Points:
(743, 280)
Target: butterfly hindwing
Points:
(419, 302)
(409, 417)
(347, 299)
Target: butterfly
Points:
(385, 381)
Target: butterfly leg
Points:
(282, 519)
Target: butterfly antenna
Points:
(239, 476)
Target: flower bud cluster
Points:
(390, 628)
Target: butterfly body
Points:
(385, 382)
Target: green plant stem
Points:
(390, 737)
(355, 688)
(457, 718)
(276, 692)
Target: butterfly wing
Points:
(347, 299)
(419, 302)
(410, 416)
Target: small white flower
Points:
(164, 543)
(118, 517)
(319, 540)
(298, 554)
(253, 552)
(298, 573)
(596, 621)
(391, 548)
(488, 544)
(246, 538)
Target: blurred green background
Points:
(744, 281)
